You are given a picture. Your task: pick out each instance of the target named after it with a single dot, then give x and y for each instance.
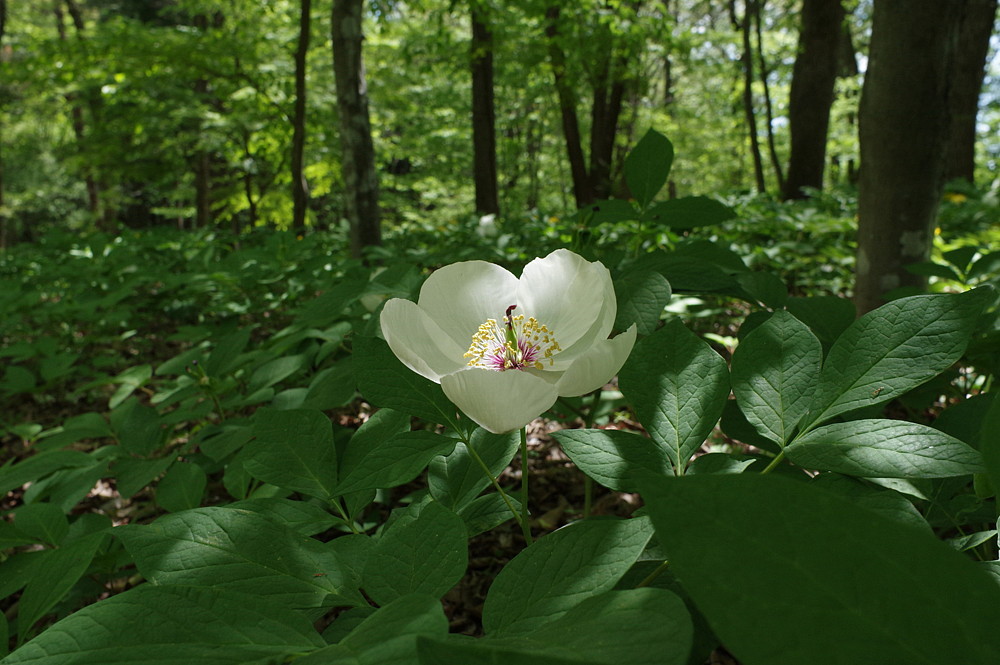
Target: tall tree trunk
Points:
(79, 126)
(4, 230)
(567, 109)
(768, 108)
(484, 143)
(967, 73)
(358, 152)
(300, 188)
(609, 90)
(814, 76)
(903, 129)
(590, 181)
(202, 159)
(748, 109)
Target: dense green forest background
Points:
(194, 113)
(244, 246)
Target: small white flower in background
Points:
(487, 227)
(504, 348)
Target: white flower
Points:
(504, 348)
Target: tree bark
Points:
(358, 152)
(903, 129)
(814, 76)
(967, 74)
(78, 123)
(591, 180)
(300, 188)
(4, 230)
(748, 109)
(567, 109)
(609, 91)
(768, 108)
(484, 144)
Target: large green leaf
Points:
(825, 582)
(642, 295)
(293, 450)
(561, 570)
(884, 449)
(827, 316)
(457, 479)
(648, 165)
(384, 380)
(689, 212)
(424, 555)
(181, 488)
(989, 443)
(62, 567)
(38, 466)
(44, 522)
(678, 386)
(481, 652)
(614, 458)
(389, 636)
(893, 349)
(637, 626)
(774, 373)
(171, 625)
(394, 461)
(239, 550)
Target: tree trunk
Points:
(748, 110)
(768, 108)
(358, 152)
(202, 160)
(604, 114)
(484, 143)
(590, 181)
(4, 230)
(79, 127)
(567, 109)
(967, 73)
(300, 188)
(903, 128)
(813, 78)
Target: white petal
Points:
(418, 341)
(461, 296)
(568, 294)
(499, 401)
(596, 367)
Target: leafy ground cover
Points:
(211, 456)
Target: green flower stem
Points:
(525, 523)
(653, 575)
(588, 422)
(775, 462)
(496, 485)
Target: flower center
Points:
(516, 343)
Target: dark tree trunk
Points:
(768, 108)
(300, 188)
(903, 129)
(3, 211)
(813, 78)
(967, 73)
(79, 127)
(358, 152)
(607, 106)
(567, 109)
(202, 159)
(748, 108)
(590, 180)
(484, 143)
